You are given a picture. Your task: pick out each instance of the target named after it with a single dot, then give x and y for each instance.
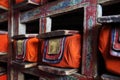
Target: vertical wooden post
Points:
(10, 33)
(89, 65)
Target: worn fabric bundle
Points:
(4, 3)
(3, 77)
(109, 47)
(4, 42)
(62, 52)
(27, 50)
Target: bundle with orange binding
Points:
(62, 52)
(109, 45)
(27, 49)
(3, 77)
(4, 4)
(3, 42)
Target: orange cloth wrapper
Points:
(72, 52)
(3, 77)
(4, 3)
(3, 43)
(112, 63)
(32, 50)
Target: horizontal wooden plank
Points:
(107, 2)
(110, 77)
(109, 19)
(56, 70)
(24, 36)
(23, 65)
(45, 75)
(3, 58)
(57, 33)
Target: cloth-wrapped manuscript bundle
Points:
(27, 49)
(109, 45)
(62, 52)
(3, 42)
(4, 4)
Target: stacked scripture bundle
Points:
(109, 45)
(4, 42)
(3, 77)
(27, 51)
(63, 51)
(4, 4)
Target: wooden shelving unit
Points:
(44, 19)
(52, 12)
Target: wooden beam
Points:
(107, 2)
(109, 19)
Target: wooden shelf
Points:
(3, 58)
(107, 2)
(24, 36)
(44, 75)
(109, 77)
(57, 33)
(57, 71)
(23, 64)
(109, 19)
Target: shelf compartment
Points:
(109, 19)
(3, 10)
(3, 58)
(29, 28)
(3, 17)
(4, 27)
(112, 8)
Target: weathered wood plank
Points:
(57, 33)
(24, 36)
(109, 19)
(107, 2)
(109, 77)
